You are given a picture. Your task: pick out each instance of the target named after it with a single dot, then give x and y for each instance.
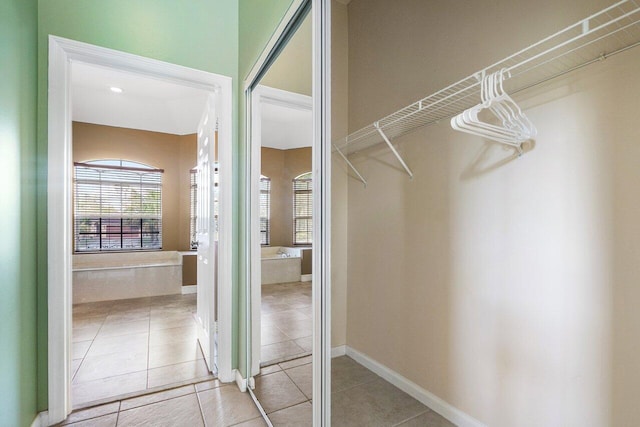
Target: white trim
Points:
(273, 96)
(273, 42)
(189, 289)
(240, 381)
(259, 96)
(425, 397)
(41, 420)
(338, 351)
(255, 143)
(321, 14)
(62, 52)
(306, 277)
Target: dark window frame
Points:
(265, 207)
(302, 210)
(117, 207)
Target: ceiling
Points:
(286, 127)
(160, 106)
(145, 103)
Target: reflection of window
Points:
(117, 206)
(265, 210)
(193, 205)
(302, 210)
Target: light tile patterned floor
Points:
(359, 397)
(286, 322)
(207, 403)
(127, 346)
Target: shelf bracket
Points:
(353, 168)
(393, 149)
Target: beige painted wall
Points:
(506, 286)
(339, 205)
(174, 153)
(293, 68)
(282, 166)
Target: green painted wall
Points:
(200, 34)
(258, 20)
(18, 96)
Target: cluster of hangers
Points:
(512, 128)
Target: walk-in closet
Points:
(485, 196)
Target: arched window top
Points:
(304, 176)
(264, 178)
(127, 164)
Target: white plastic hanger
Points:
(515, 127)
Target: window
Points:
(117, 206)
(193, 239)
(265, 210)
(302, 210)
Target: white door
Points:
(207, 233)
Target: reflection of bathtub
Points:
(112, 276)
(280, 264)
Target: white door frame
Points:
(62, 52)
(262, 95)
(321, 23)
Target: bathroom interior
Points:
(135, 267)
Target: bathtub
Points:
(280, 264)
(122, 275)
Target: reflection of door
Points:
(207, 233)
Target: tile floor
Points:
(360, 398)
(126, 346)
(207, 403)
(286, 322)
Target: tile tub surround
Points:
(125, 275)
(128, 346)
(286, 322)
(280, 264)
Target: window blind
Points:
(117, 207)
(302, 210)
(265, 210)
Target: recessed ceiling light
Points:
(116, 89)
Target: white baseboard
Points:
(306, 277)
(338, 351)
(241, 382)
(438, 405)
(41, 420)
(189, 289)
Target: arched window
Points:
(265, 210)
(302, 210)
(117, 206)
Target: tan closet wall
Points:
(175, 154)
(506, 286)
(339, 179)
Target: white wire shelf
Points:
(610, 31)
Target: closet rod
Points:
(612, 30)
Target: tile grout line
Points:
(204, 419)
(294, 383)
(426, 411)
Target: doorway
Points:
(116, 243)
